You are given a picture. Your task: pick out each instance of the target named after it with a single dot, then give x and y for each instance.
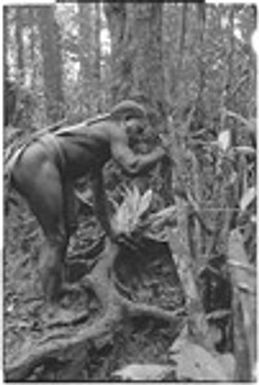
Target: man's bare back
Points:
(85, 147)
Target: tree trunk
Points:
(19, 42)
(85, 36)
(201, 29)
(136, 33)
(6, 41)
(52, 62)
(97, 57)
(116, 17)
(181, 47)
(137, 67)
(32, 55)
(199, 104)
(148, 75)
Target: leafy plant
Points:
(133, 215)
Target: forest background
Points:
(193, 67)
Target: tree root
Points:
(62, 348)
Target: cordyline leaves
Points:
(132, 215)
(132, 209)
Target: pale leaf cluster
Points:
(133, 215)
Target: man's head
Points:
(128, 108)
(133, 115)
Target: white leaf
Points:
(247, 198)
(164, 214)
(245, 150)
(144, 202)
(224, 140)
(214, 335)
(233, 177)
(128, 214)
(253, 219)
(114, 204)
(144, 372)
(218, 314)
(10, 308)
(228, 363)
(134, 200)
(156, 236)
(195, 363)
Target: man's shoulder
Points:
(116, 131)
(110, 130)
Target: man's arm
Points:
(134, 164)
(100, 202)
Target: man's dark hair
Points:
(128, 109)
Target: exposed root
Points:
(64, 320)
(64, 348)
(141, 309)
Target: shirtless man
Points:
(45, 171)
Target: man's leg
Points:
(39, 181)
(51, 265)
(71, 207)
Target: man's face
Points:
(135, 129)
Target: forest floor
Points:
(146, 278)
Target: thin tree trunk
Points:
(116, 17)
(97, 56)
(19, 42)
(179, 65)
(6, 41)
(137, 67)
(52, 62)
(33, 61)
(199, 112)
(86, 37)
(201, 30)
